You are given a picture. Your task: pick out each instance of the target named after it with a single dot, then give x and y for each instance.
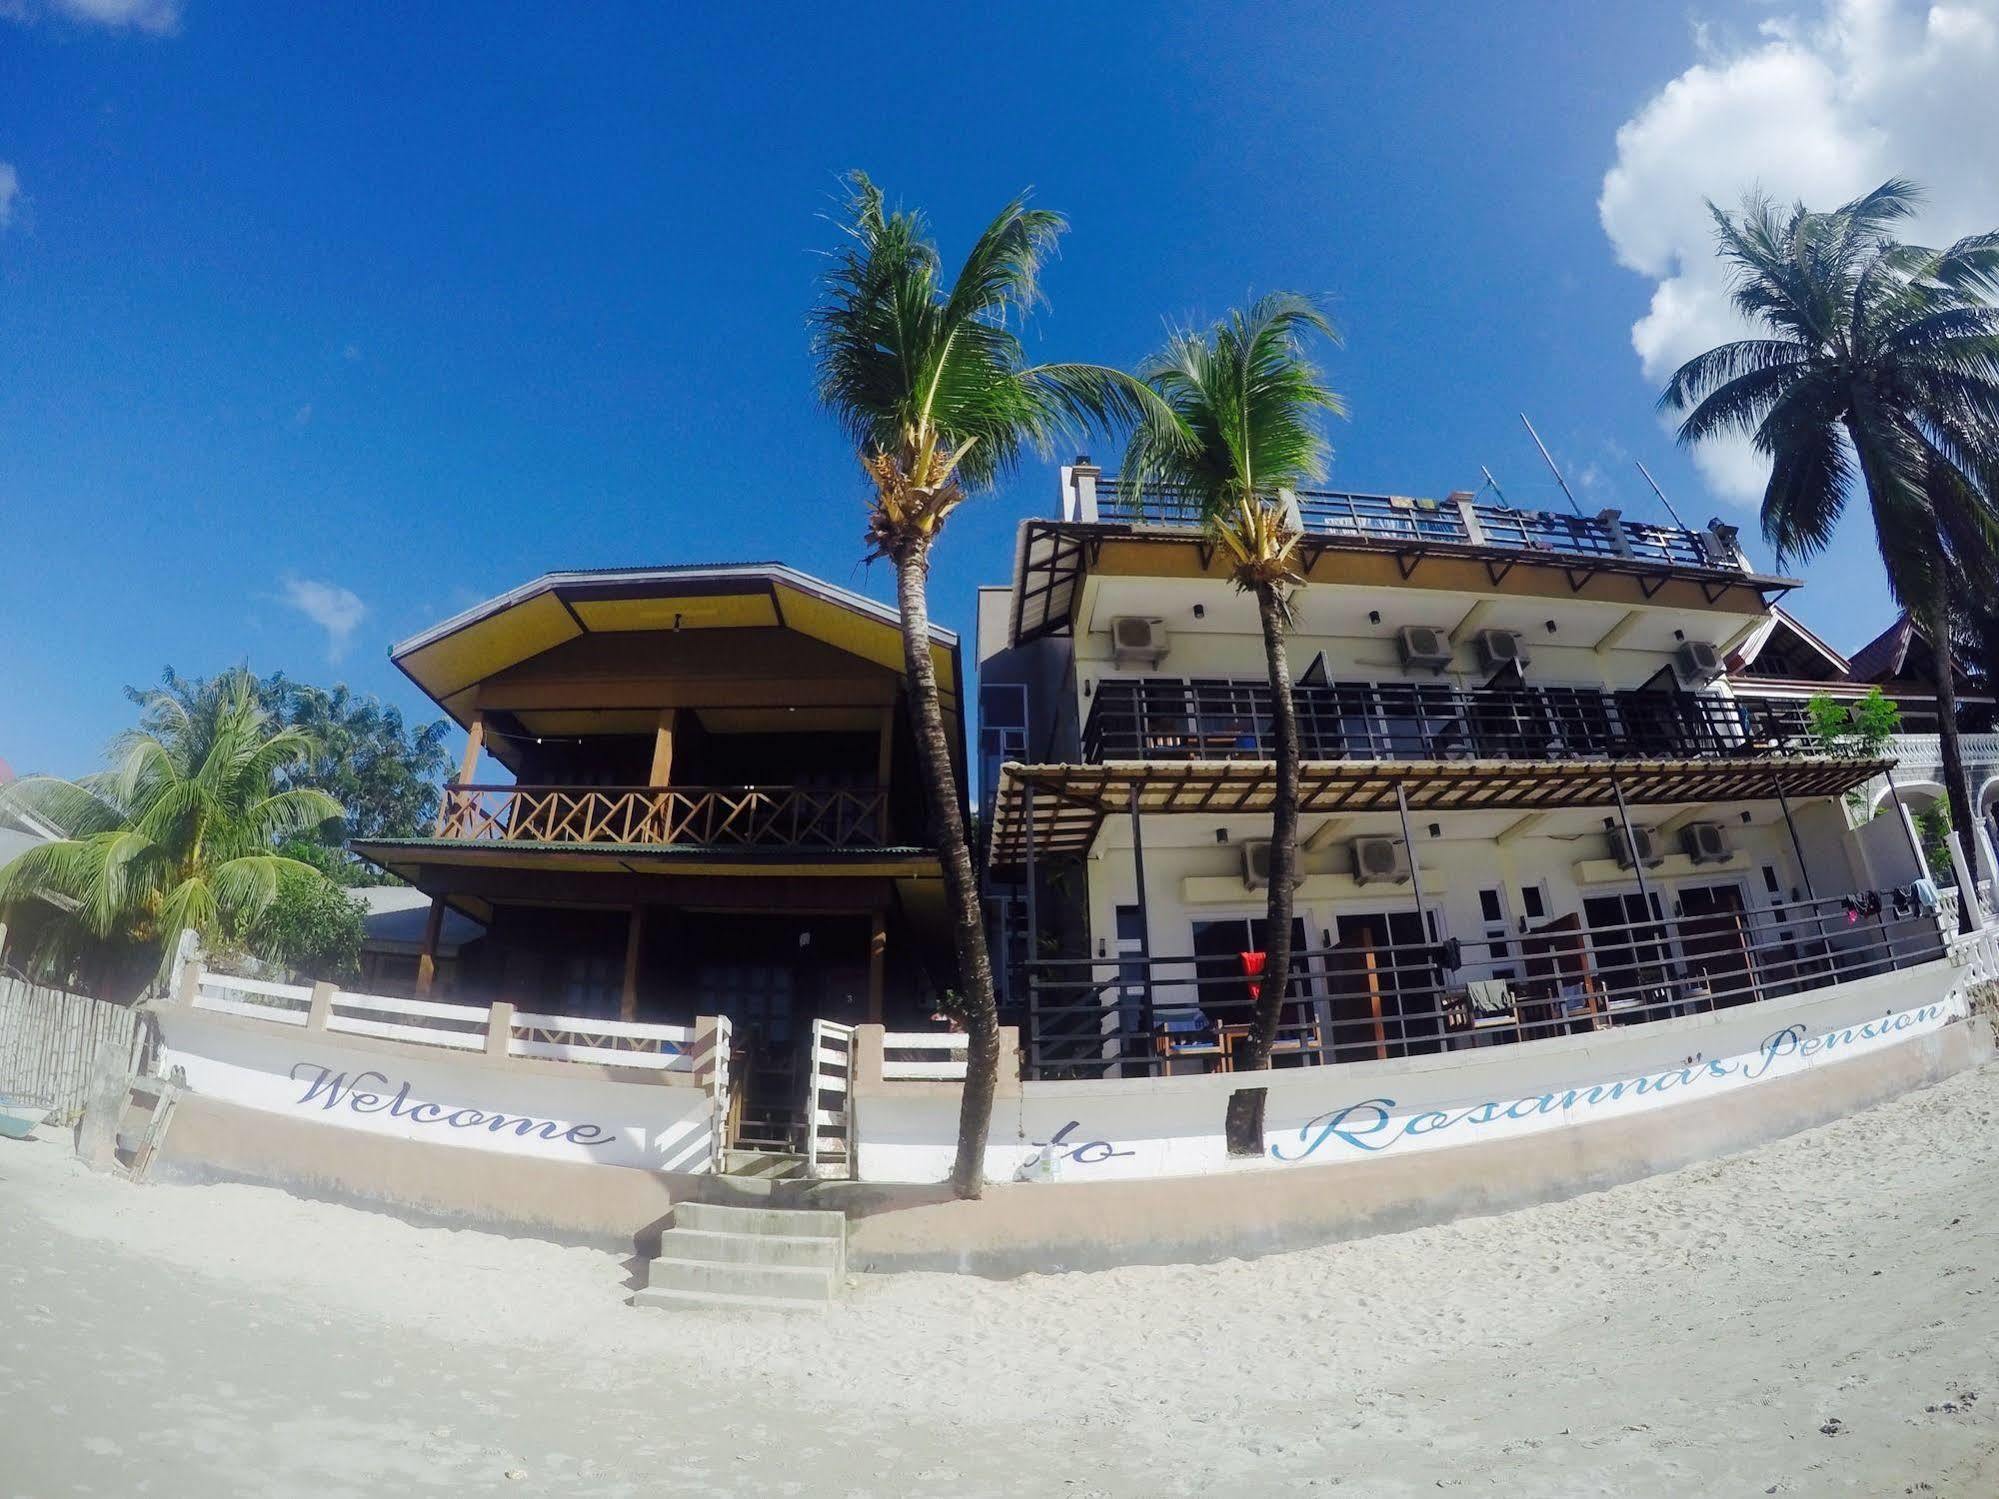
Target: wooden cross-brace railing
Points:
(693, 816)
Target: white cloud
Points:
(1820, 107)
(336, 610)
(157, 16)
(10, 188)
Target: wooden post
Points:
(877, 966)
(426, 962)
(885, 748)
(662, 750)
(628, 1006)
(475, 740)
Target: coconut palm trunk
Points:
(979, 1009)
(1244, 1126)
(1876, 372)
(933, 383)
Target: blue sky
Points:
(316, 326)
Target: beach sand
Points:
(1818, 1316)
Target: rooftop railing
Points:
(1457, 520)
(696, 816)
(1361, 1001)
(1230, 719)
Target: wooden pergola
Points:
(1070, 802)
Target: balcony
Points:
(1616, 965)
(1230, 719)
(718, 817)
(1457, 521)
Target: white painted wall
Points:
(447, 1099)
(1154, 1127)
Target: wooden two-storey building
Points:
(707, 801)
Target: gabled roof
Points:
(1883, 658)
(450, 658)
(1786, 626)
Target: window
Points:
(1770, 880)
(1002, 732)
(1532, 904)
(1130, 950)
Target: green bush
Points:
(312, 929)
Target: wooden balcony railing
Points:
(689, 816)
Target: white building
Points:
(1507, 691)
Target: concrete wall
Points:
(469, 1103)
(1018, 1229)
(1123, 1128)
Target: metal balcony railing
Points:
(1137, 1015)
(1230, 719)
(1457, 520)
(696, 816)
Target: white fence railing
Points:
(425, 1022)
(609, 1043)
(912, 1055)
(828, 1087)
(51, 1040)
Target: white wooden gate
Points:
(828, 1138)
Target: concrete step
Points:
(763, 1165)
(754, 1249)
(819, 1223)
(779, 1283)
(716, 1301)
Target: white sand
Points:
(1685, 1335)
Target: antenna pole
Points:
(1661, 494)
(1494, 483)
(1549, 459)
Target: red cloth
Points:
(1252, 964)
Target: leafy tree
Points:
(1854, 731)
(1239, 422)
(384, 773)
(1879, 375)
(181, 832)
(1933, 826)
(932, 383)
(312, 928)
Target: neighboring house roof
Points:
(14, 842)
(1883, 658)
(395, 920)
(1786, 649)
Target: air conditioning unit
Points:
(1379, 861)
(1136, 639)
(1501, 648)
(1424, 645)
(1697, 661)
(1705, 843)
(1256, 865)
(1643, 848)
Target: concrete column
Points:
(866, 1051)
(1079, 497)
(321, 1009)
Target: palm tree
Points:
(1240, 425)
(1878, 373)
(932, 383)
(180, 833)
